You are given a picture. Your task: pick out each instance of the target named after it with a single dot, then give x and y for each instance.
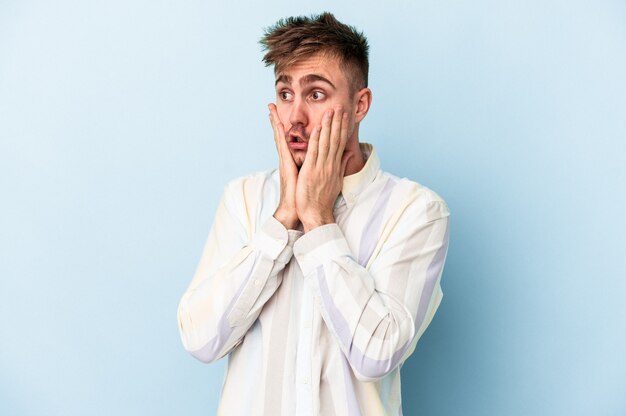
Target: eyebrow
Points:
(307, 79)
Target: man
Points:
(317, 278)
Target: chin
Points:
(298, 158)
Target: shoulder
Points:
(252, 182)
(415, 197)
(251, 194)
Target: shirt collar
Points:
(354, 184)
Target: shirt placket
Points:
(304, 399)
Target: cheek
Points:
(351, 125)
(283, 115)
(317, 114)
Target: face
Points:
(304, 91)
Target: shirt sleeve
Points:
(377, 312)
(237, 274)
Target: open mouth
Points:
(297, 139)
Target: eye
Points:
(317, 95)
(285, 95)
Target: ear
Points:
(363, 101)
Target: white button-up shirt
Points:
(317, 323)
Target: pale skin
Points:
(315, 122)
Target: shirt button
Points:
(257, 282)
(305, 381)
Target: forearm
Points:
(221, 305)
(373, 321)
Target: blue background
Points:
(121, 121)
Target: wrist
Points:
(290, 222)
(317, 222)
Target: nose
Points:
(299, 113)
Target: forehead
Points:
(320, 64)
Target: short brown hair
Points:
(296, 38)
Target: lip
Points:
(297, 141)
(298, 145)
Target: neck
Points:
(356, 161)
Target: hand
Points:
(321, 177)
(286, 210)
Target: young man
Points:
(317, 278)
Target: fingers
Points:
(343, 139)
(285, 159)
(327, 142)
(277, 126)
(279, 132)
(335, 134)
(326, 136)
(312, 151)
